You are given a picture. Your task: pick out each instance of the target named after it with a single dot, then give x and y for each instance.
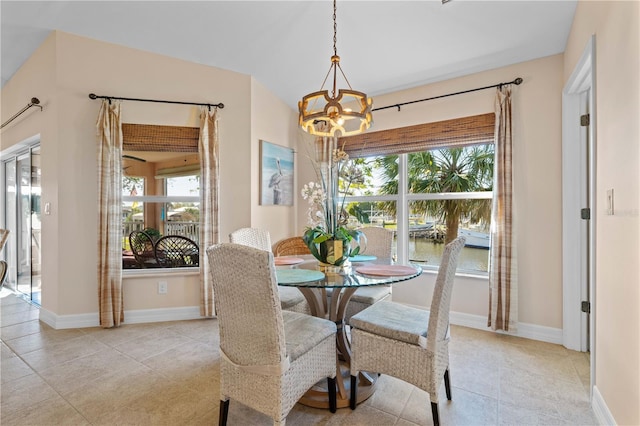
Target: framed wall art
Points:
(276, 174)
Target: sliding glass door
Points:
(22, 216)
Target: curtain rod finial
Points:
(518, 81)
(93, 96)
(35, 101)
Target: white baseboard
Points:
(69, 321)
(540, 332)
(130, 317)
(528, 331)
(600, 409)
(159, 315)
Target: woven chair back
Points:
(173, 251)
(142, 247)
(247, 304)
(3, 272)
(290, 246)
(252, 237)
(441, 301)
(4, 234)
(379, 241)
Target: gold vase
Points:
(334, 251)
(328, 268)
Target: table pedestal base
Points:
(318, 396)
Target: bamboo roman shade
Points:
(149, 137)
(455, 133)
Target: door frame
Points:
(576, 242)
(22, 148)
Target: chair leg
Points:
(447, 384)
(354, 392)
(224, 412)
(434, 413)
(331, 386)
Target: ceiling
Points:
(287, 45)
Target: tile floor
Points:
(167, 374)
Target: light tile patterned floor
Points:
(167, 374)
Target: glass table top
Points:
(307, 274)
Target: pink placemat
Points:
(386, 270)
(287, 260)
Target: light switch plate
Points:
(610, 201)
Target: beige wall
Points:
(62, 73)
(537, 157)
(37, 78)
(617, 294)
(272, 121)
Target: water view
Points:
(425, 251)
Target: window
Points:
(132, 211)
(160, 186)
(428, 192)
(183, 216)
(176, 213)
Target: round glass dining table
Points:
(328, 293)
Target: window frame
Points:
(161, 199)
(402, 199)
(460, 132)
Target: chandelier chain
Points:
(335, 29)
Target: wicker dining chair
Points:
(379, 243)
(252, 237)
(174, 251)
(143, 249)
(291, 299)
(408, 343)
(3, 272)
(4, 234)
(4, 266)
(290, 247)
(269, 357)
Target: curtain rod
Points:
(517, 82)
(34, 102)
(94, 96)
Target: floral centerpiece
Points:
(327, 236)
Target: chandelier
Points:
(345, 113)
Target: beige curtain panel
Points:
(109, 133)
(208, 147)
(503, 285)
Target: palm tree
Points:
(468, 169)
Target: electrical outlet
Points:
(162, 287)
